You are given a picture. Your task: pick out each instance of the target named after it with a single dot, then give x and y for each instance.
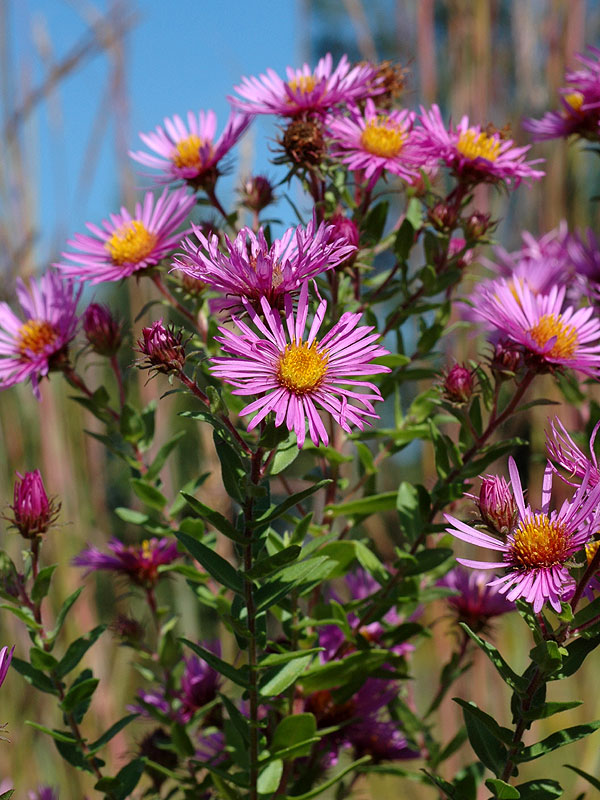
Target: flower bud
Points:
(303, 142)
(102, 330)
(442, 216)
(496, 504)
(163, 348)
(344, 228)
(257, 193)
(458, 384)
(477, 225)
(33, 511)
(127, 629)
(507, 357)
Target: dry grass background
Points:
(495, 60)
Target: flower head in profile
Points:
(296, 376)
(252, 269)
(579, 111)
(139, 563)
(375, 141)
(538, 551)
(200, 683)
(551, 334)
(103, 332)
(306, 91)
(128, 243)
(163, 347)
(33, 345)
(32, 511)
(563, 451)
(190, 153)
(476, 602)
(476, 155)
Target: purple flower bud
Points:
(163, 348)
(257, 193)
(497, 504)
(507, 357)
(344, 228)
(477, 225)
(102, 330)
(458, 384)
(33, 511)
(443, 216)
(5, 659)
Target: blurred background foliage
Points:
(495, 60)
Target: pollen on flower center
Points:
(550, 327)
(472, 144)
(35, 335)
(591, 549)
(131, 243)
(574, 100)
(302, 367)
(539, 542)
(382, 138)
(304, 84)
(187, 152)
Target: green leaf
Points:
(212, 562)
(24, 614)
(34, 676)
(233, 471)
(443, 785)
(355, 666)
(502, 790)
(516, 682)
(77, 650)
(124, 782)
(165, 451)
(313, 569)
(286, 454)
(42, 583)
(62, 614)
(404, 241)
(59, 736)
(217, 520)
(540, 789)
(550, 708)
(547, 655)
(237, 676)
(78, 694)
(369, 561)
(42, 660)
(131, 424)
(412, 504)
(427, 560)
(148, 494)
(488, 749)
(331, 782)
(269, 777)
(365, 506)
(276, 681)
(292, 731)
(270, 564)
(277, 659)
(577, 652)
(590, 778)
(7, 795)
(111, 732)
(131, 516)
(499, 732)
(556, 740)
(289, 502)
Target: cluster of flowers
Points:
(539, 546)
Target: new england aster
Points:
(538, 550)
(294, 376)
(190, 153)
(129, 243)
(306, 91)
(251, 269)
(31, 347)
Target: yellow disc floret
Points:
(550, 326)
(574, 100)
(302, 367)
(473, 144)
(304, 84)
(540, 542)
(591, 549)
(382, 138)
(131, 243)
(35, 335)
(187, 152)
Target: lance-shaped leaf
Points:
(516, 682)
(217, 520)
(238, 676)
(212, 562)
(289, 502)
(556, 740)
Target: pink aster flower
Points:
(556, 336)
(129, 243)
(294, 376)
(567, 455)
(251, 269)
(306, 91)
(580, 104)
(139, 562)
(537, 552)
(29, 349)
(190, 153)
(375, 141)
(476, 602)
(474, 155)
(584, 252)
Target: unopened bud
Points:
(127, 629)
(33, 511)
(257, 193)
(507, 357)
(344, 228)
(477, 225)
(163, 348)
(102, 330)
(496, 504)
(458, 384)
(442, 216)
(303, 142)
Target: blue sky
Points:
(183, 54)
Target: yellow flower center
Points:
(382, 138)
(539, 542)
(187, 152)
(591, 549)
(302, 367)
(304, 84)
(574, 100)
(131, 243)
(550, 326)
(35, 335)
(478, 145)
